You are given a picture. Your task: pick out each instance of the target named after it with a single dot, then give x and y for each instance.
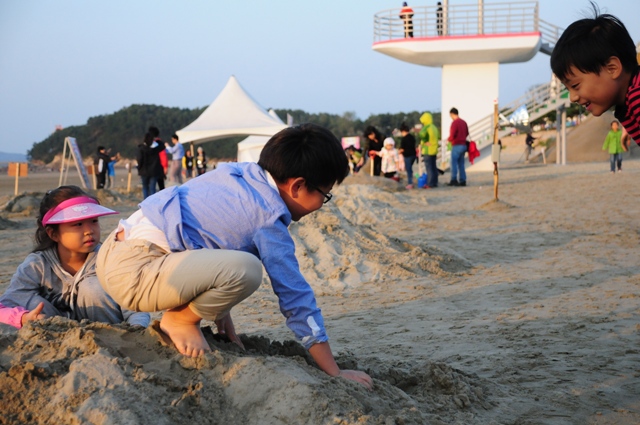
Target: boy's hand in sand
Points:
(321, 353)
(357, 376)
(225, 327)
(35, 314)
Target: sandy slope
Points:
(464, 310)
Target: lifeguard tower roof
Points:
(461, 34)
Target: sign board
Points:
(77, 159)
(351, 141)
(18, 169)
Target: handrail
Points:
(459, 20)
(550, 33)
(539, 101)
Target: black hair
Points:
(587, 44)
(148, 139)
(404, 126)
(52, 199)
(454, 111)
(154, 131)
(307, 150)
(100, 148)
(372, 130)
(175, 136)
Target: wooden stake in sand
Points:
(495, 150)
(18, 169)
(128, 177)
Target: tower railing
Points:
(550, 34)
(459, 20)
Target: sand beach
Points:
(464, 311)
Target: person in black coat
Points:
(101, 163)
(149, 166)
(374, 141)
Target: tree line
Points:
(123, 130)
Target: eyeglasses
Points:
(327, 196)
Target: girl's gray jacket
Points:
(41, 278)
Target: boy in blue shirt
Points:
(196, 250)
(595, 58)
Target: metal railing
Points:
(459, 20)
(550, 34)
(539, 101)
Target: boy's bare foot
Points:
(183, 327)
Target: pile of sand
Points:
(61, 371)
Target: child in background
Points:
(201, 161)
(111, 171)
(58, 278)
(356, 158)
(390, 159)
(187, 164)
(596, 60)
(198, 249)
(613, 144)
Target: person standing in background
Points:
(429, 143)
(101, 163)
(111, 171)
(458, 137)
(406, 14)
(164, 162)
(177, 153)
(439, 25)
(408, 151)
(374, 144)
(187, 163)
(149, 167)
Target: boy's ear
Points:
(294, 185)
(614, 67)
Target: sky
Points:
(64, 61)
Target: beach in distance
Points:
(464, 310)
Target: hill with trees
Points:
(123, 130)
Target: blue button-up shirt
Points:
(234, 207)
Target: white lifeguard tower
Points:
(468, 42)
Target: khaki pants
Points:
(141, 276)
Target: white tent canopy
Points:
(232, 113)
(249, 149)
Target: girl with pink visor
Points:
(58, 278)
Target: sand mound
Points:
(68, 372)
(495, 206)
(340, 247)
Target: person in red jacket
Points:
(458, 137)
(406, 14)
